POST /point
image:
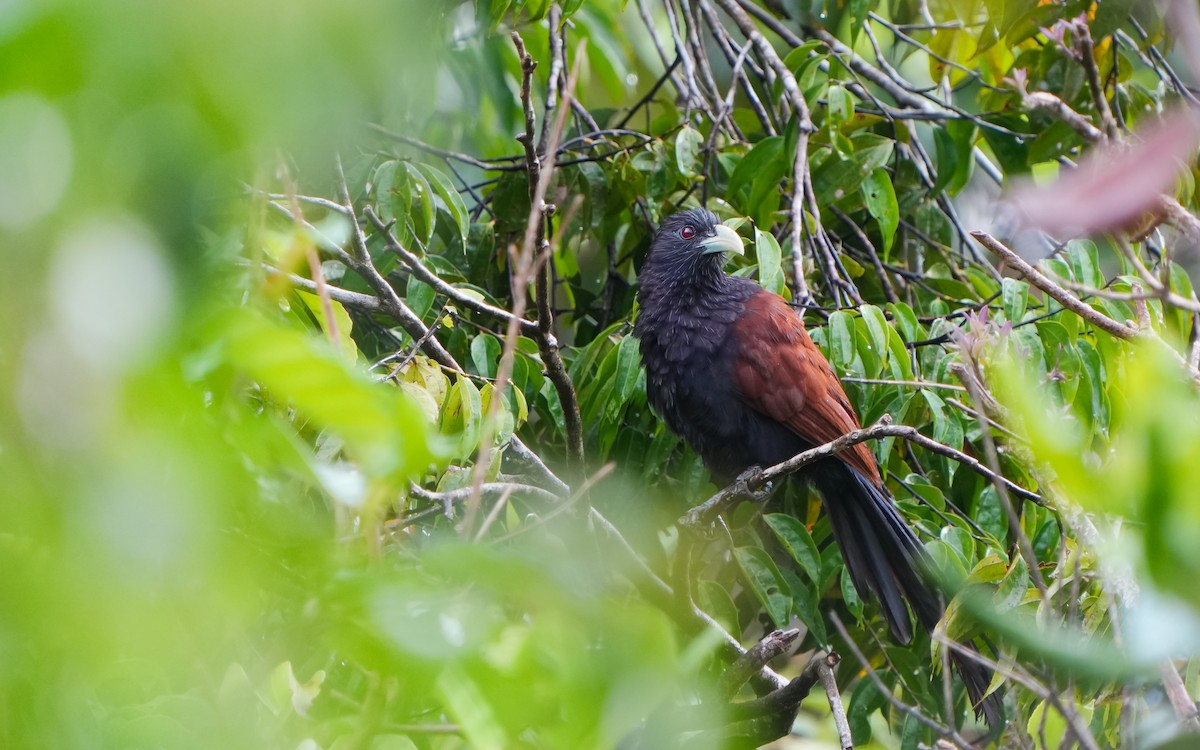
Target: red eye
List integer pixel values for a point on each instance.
(687, 233)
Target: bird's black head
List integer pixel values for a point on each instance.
(690, 245)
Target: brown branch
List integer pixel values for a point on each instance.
(1087, 55)
(825, 671)
(537, 249)
(520, 452)
(526, 265)
(1057, 108)
(740, 490)
(747, 723)
(773, 644)
(1058, 293)
(1178, 216)
(1177, 694)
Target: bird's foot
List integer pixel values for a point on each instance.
(741, 489)
(743, 486)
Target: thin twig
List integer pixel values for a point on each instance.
(828, 677)
(1024, 545)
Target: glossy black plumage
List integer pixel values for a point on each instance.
(731, 369)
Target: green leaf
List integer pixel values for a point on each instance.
(1110, 15)
(628, 367)
(1012, 588)
(806, 603)
(1015, 296)
(507, 420)
(688, 143)
(394, 200)
(946, 151)
(877, 329)
(880, 199)
(840, 107)
(1084, 260)
(770, 261)
(842, 341)
(422, 197)
(462, 414)
(451, 199)
(419, 296)
(839, 176)
(798, 542)
(715, 600)
(764, 158)
(341, 319)
(850, 596)
(766, 582)
(485, 354)
(469, 706)
(946, 428)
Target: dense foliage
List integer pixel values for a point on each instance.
(346, 445)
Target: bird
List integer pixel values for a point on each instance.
(731, 369)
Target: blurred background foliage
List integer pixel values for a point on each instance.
(258, 273)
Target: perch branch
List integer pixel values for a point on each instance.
(737, 492)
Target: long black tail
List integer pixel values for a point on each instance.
(886, 559)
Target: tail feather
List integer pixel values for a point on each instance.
(885, 558)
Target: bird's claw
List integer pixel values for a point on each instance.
(742, 488)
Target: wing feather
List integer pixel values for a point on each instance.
(779, 372)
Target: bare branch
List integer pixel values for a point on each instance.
(1057, 108)
(825, 670)
(1087, 55)
(1059, 294)
(773, 644)
(737, 492)
(356, 300)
